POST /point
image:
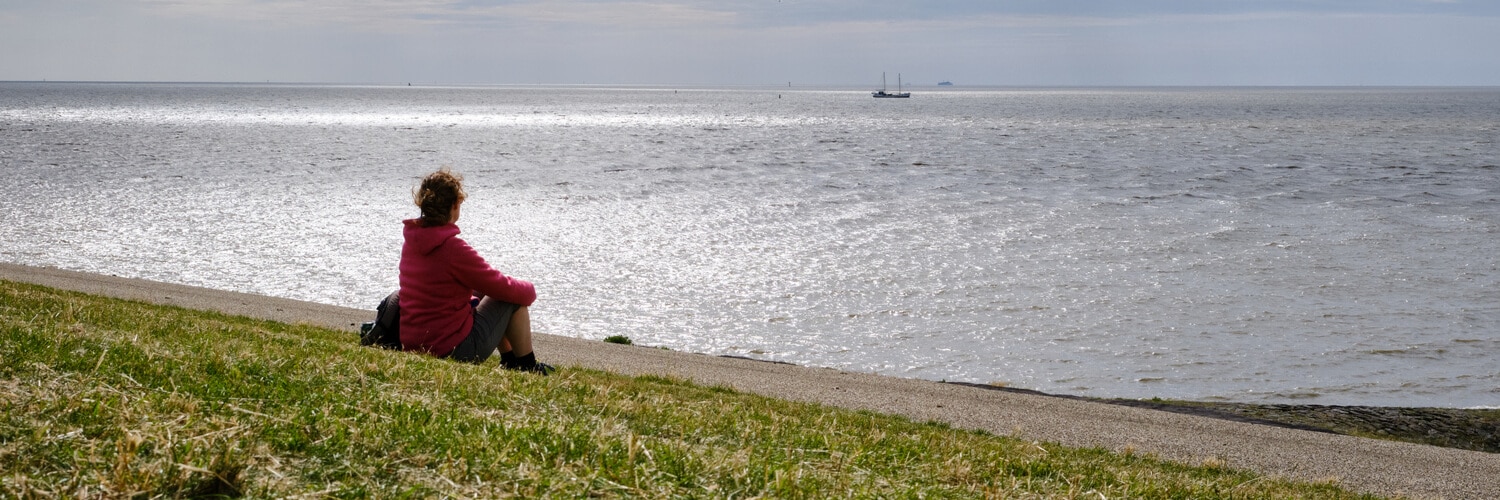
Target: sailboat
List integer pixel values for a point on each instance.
(883, 93)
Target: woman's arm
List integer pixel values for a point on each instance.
(472, 271)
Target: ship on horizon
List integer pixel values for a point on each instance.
(883, 94)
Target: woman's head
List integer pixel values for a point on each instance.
(439, 194)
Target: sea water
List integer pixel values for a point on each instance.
(1310, 245)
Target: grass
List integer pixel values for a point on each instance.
(103, 397)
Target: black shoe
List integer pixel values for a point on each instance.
(527, 363)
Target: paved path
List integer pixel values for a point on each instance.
(1374, 466)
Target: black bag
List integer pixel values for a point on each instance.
(385, 331)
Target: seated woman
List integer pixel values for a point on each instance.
(451, 303)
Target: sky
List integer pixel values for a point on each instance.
(757, 42)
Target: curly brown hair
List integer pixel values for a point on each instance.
(436, 196)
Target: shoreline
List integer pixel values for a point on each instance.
(1367, 465)
(1472, 429)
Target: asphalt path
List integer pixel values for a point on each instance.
(1366, 465)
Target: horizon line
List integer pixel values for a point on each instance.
(688, 85)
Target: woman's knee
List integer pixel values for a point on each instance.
(520, 321)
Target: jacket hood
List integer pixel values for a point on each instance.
(426, 239)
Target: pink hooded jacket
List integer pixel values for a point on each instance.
(439, 275)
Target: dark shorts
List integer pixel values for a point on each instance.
(491, 318)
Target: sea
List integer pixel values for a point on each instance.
(1332, 246)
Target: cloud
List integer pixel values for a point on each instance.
(1080, 42)
(619, 14)
(351, 12)
(428, 16)
(400, 16)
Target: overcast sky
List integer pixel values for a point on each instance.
(811, 42)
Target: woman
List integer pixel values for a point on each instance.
(451, 303)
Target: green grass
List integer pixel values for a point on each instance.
(104, 397)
